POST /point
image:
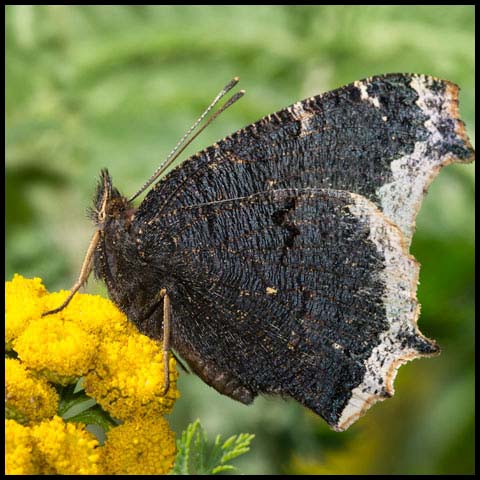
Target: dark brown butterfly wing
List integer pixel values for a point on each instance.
(284, 247)
(306, 293)
(385, 138)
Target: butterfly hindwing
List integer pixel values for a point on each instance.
(293, 292)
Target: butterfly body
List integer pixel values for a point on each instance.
(284, 247)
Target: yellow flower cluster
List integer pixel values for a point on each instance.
(122, 369)
(23, 303)
(64, 353)
(125, 395)
(27, 397)
(67, 447)
(50, 447)
(140, 446)
(20, 458)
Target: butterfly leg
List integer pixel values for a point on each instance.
(84, 274)
(167, 313)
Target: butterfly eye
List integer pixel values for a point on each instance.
(101, 216)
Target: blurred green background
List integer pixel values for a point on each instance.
(116, 86)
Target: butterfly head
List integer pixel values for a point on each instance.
(108, 202)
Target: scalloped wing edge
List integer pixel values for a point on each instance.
(403, 341)
(413, 173)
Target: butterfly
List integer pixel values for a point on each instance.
(276, 261)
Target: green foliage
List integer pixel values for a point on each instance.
(196, 457)
(76, 406)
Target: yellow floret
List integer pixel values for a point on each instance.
(67, 447)
(129, 378)
(140, 446)
(94, 314)
(21, 457)
(23, 303)
(27, 398)
(60, 350)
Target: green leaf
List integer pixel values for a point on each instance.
(77, 402)
(79, 385)
(76, 406)
(195, 457)
(183, 445)
(222, 468)
(94, 416)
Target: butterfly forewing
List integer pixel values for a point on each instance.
(384, 138)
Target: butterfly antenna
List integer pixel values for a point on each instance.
(228, 104)
(173, 155)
